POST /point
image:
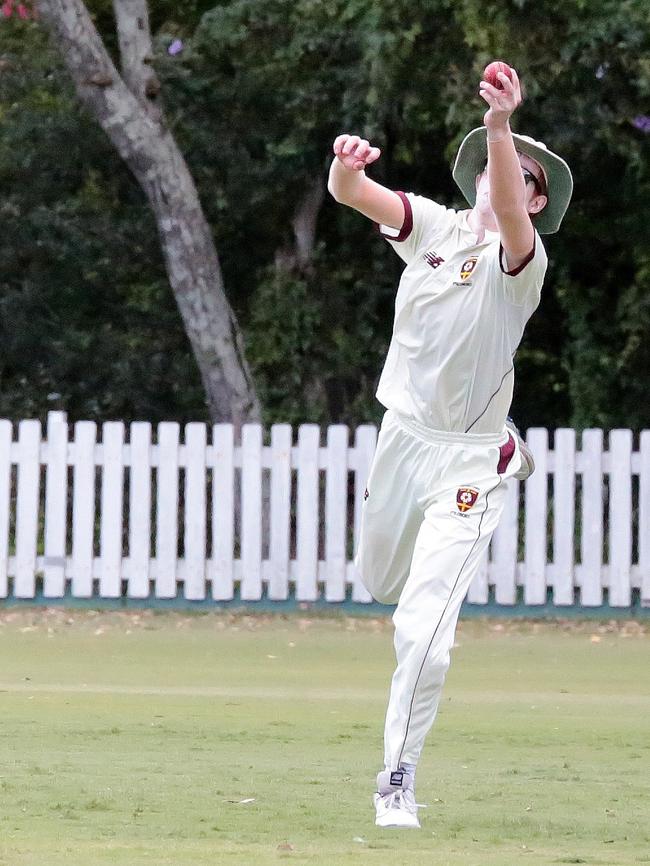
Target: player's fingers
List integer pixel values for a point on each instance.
(350, 145)
(515, 80)
(492, 96)
(511, 94)
(516, 86)
(498, 100)
(506, 82)
(339, 141)
(373, 154)
(488, 97)
(363, 149)
(489, 88)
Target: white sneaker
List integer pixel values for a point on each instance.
(395, 800)
(527, 461)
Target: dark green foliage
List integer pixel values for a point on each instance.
(87, 320)
(255, 99)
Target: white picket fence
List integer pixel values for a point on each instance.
(146, 519)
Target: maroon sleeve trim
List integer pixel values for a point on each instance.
(407, 225)
(520, 267)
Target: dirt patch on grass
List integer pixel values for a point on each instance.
(61, 619)
(615, 627)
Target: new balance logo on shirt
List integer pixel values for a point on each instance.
(433, 259)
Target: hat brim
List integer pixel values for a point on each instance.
(471, 159)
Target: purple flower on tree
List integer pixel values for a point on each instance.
(176, 47)
(642, 122)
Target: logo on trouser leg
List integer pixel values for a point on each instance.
(366, 494)
(466, 497)
(397, 778)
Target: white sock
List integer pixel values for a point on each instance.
(410, 769)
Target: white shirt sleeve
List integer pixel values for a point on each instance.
(523, 284)
(424, 222)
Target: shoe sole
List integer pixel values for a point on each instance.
(396, 818)
(528, 464)
(397, 822)
(527, 460)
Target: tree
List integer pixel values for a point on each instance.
(82, 274)
(278, 79)
(254, 100)
(128, 108)
(290, 74)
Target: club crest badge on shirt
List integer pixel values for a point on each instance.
(467, 267)
(466, 497)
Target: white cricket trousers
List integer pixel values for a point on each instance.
(432, 504)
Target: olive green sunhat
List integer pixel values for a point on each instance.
(471, 159)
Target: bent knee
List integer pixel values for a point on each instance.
(378, 580)
(379, 588)
(384, 596)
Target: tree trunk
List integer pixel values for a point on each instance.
(298, 256)
(132, 119)
(136, 53)
(304, 223)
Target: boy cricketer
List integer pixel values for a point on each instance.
(445, 450)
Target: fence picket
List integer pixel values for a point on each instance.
(195, 511)
(644, 517)
(251, 512)
(167, 489)
(223, 511)
(503, 569)
(139, 509)
(591, 520)
(5, 500)
(324, 536)
(536, 520)
(620, 517)
(564, 495)
(308, 513)
(281, 436)
(364, 448)
(56, 506)
(27, 507)
(336, 512)
(83, 508)
(365, 443)
(112, 486)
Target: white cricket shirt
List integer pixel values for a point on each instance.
(459, 318)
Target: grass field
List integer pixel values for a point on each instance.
(220, 739)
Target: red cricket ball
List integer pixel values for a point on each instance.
(491, 71)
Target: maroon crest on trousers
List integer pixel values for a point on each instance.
(466, 497)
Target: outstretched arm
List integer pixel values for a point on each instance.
(508, 196)
(349, 185)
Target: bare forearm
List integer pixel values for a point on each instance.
(507, 188)
(349, 185)
(346, 184)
